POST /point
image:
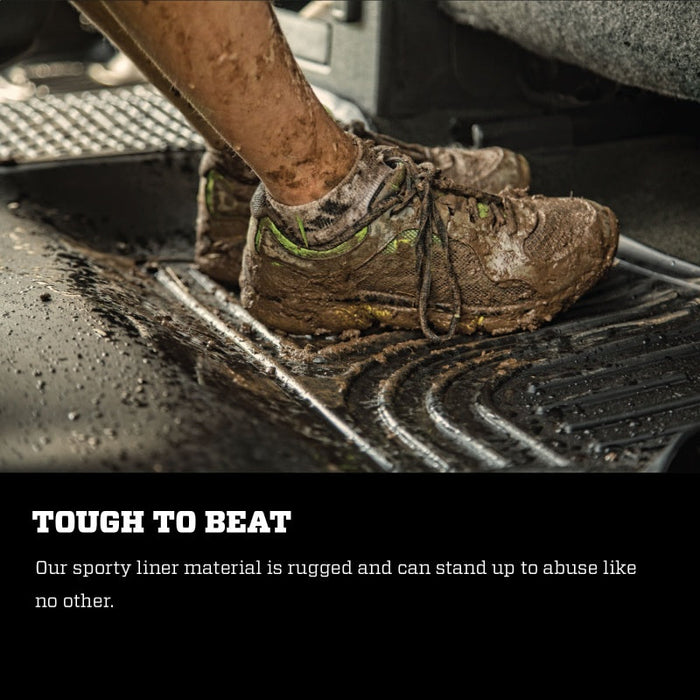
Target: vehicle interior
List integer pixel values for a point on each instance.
(119, 355)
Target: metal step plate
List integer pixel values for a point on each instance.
(128, 120)
(92, 123)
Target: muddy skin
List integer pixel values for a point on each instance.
(306, 140)
(319, 154)
(231, 63)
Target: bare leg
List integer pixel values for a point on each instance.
(231, 63)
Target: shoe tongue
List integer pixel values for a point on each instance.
(331, 219)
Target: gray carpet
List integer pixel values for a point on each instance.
(647, 44)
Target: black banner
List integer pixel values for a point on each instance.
(106, 547)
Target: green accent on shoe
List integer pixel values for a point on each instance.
(483, 210)
(392, 247)
(407, 237)
(209, 192)
(308, 253)
(300, 223)
(214, 177)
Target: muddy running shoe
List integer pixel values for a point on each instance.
(226, 186)
(419, 251)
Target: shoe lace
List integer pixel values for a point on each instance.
(422, 180)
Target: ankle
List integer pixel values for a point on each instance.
(316, 175)
(326, 219)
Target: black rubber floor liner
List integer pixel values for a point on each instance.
(614, 385)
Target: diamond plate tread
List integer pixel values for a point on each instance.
(91, 124)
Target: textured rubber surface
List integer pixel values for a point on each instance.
(606, 388)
